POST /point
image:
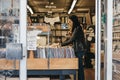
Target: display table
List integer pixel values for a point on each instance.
(60, 72)
(38, 66)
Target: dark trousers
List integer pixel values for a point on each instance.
(79, 55)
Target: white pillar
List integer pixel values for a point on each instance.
(98, 40)
(108, 39)
(23, 21)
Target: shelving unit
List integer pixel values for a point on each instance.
(59, 32)
(116, 25)
(59, 35)
(116, 39)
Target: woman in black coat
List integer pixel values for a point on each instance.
(78, 41)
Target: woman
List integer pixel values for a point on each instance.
(78, 41)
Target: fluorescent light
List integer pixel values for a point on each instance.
(50, 6)
(28, 7)
(72, 6)
(83, 9)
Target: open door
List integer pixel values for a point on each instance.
(104, 20)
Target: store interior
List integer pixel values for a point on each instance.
(32, 44)
(47, 26)
(55, 13)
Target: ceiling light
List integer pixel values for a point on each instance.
(29, 8)
(52, 3)
(72, 6)
(83, 9)
(50, 6)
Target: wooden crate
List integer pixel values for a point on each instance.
(38, 78)
(12, 79)
(63, 63)
(36, 63)
(29, 79)
(8, 64)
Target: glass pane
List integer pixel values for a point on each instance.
(9, 33)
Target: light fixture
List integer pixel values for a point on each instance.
(52, 3)
(72, 6)
(29, 8)
(50, 6)
(83, 9)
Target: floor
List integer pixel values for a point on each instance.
(89, 74)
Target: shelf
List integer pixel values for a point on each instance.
(116, 25)
(60, 30)
(116, 39)
(9, 17)
(44, 33)
(117, 14)
(116, 31)
(58, 36)
(102, 30)
(116, 56)
(118, 18)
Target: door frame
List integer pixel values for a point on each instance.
(107, 40)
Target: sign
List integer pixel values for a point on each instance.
(32, 40)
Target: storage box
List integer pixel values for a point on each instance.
(63, 63)
(12, 79)
(37, 63)
(38, 78)
(8, 64)
(29, 79)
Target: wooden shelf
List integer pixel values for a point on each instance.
(117, 14)
(116, 31)
(116, 39)
(58, 36)
(116, 25)
(60, 30)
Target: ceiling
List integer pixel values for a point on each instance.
(61, 6)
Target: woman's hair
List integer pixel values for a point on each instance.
(75, 21)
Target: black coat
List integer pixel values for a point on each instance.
(77, 39)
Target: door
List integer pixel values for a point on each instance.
(12, 40)
(104, 20)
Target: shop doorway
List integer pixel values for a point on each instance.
(47, 10)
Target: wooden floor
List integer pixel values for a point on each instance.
(89, 74)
